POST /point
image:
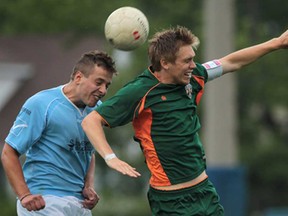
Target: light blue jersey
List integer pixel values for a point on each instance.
(58, 153)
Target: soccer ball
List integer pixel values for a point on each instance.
(126, 28)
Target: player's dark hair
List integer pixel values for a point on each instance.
(88, 60)
(166, 44)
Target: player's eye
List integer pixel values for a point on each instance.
(98, 83)
(190, 60)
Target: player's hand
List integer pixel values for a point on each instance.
(123, 167)
(33, 202)
(91, 198)
(284, 40)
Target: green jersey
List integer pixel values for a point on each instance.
(165, 122)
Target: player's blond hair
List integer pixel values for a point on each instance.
(166, 44)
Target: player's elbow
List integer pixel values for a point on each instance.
(229, 66)
(8, 154)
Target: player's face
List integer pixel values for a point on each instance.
(181, 70)
(95, 86)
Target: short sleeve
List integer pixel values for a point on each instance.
(28, 126)
(119, 109)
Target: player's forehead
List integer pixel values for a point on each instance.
(100, 73)
(185, 52)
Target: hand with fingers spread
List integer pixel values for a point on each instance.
(91, 198)
(33, 202)
(122, 167)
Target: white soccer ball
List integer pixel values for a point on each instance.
(126, 28)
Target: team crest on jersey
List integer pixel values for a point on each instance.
(188, 89)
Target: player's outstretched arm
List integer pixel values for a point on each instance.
(92, 125)
(237, 60)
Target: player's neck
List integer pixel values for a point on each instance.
(70, 93)
(163, 77)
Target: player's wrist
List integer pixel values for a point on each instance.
(24, 196)
(109, 157)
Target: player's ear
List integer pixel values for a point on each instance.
(164, 63)
(78, 76)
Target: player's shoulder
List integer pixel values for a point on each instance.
(142, 83)
(199, 70)
(45, 97)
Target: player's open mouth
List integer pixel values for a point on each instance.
(189, 74)
(97, 97)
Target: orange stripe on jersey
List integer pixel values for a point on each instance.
(201, 82)
(140, 106)
(142, 126)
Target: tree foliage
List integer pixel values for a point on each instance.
(263, 105)
(87, 16)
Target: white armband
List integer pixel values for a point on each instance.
(214, 69)
(109, 157)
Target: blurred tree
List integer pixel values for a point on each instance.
(263, 105)
(82, 18)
